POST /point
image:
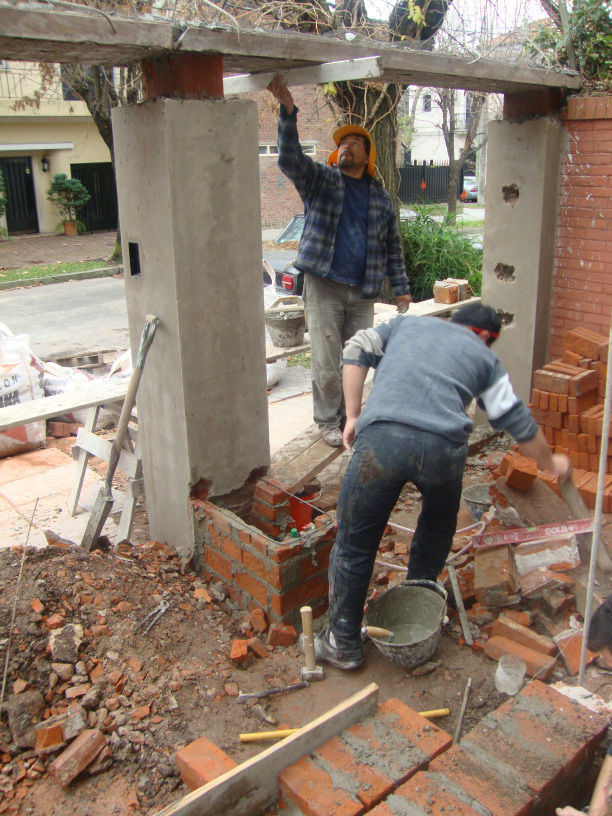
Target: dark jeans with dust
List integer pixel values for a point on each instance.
(386, 455)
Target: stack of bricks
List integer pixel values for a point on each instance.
(262, 565)
(567, 402)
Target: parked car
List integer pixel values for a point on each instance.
(470, 188)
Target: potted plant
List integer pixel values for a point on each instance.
(69, 195)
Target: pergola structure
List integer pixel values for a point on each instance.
(188, 187)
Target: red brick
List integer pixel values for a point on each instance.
(550, 419)
(365, 763)
(54, 621)
(537, 663)
(256, 564)
(257, 647)
(201, 761)
(553, 402)
(493, 575)
(77, 756)
(49, 738)
(281, 635)
(37, 606)
(576, 405)
(554, 382)
(232, 550)
(253, 587)
(480, 781)
(549, 554)
(219, 563)
(522, 472)
(266, 511)
(258, 620)
(583, 383)
(271, 492)
(283, 552)
(570, 646)
(311, 590)
(508, 628)
(520, 616)
(239, 651)
(272, 530)
(425, 793)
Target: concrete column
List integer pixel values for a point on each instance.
(188, 189)
(523, 161)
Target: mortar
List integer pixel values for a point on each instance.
(414, 611)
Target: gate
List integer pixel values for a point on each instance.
(100, 212)
(20, 202)
(425, 183)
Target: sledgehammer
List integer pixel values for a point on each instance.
(310, 671)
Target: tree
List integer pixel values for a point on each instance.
(473, 110)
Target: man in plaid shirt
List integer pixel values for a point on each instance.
(349, 243)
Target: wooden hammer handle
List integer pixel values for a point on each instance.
(309, 650)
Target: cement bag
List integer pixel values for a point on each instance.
(59, 379)
(20, 381)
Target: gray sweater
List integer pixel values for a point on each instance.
(427, 373)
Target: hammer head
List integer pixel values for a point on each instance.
(313, 674)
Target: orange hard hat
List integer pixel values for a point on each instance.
(347, 130)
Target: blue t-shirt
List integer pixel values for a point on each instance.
(349, 261)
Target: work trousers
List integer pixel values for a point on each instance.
(334, 312)
(386, 455)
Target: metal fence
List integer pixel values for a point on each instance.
(425, 183)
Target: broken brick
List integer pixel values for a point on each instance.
(538, 665)
(201, 761)
(37, 606)
(570, 647)
(77, 756)
(239, 651)
(281, 635)
(521, 472)
(257, 618)
(508, 628)
(257, 647)
(551, 554)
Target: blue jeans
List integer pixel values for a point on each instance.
(386, 455)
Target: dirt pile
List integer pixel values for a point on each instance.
(81, 669)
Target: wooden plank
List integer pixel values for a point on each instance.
(306, 465)
(431, 308)
(47, 407)
(128, 463)
(276, 353)
(362, 68)
(252, 786)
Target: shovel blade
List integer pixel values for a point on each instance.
(97, 519)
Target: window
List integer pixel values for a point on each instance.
(272, 149)
(427, 102)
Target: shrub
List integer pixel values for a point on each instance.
(435, 249)
(68, 194)
(2, 195)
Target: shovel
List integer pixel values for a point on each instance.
(104, 499)
(574, 501)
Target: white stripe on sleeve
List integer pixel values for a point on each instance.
(499, 398)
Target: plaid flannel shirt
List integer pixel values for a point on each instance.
(321, 189)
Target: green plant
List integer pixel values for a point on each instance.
(434, 249)
(68, 194)
(590, 31)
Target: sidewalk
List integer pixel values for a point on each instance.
(30, 250)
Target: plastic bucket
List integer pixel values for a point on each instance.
(478, 499)
(301, 513)
(414, 611)
(286, 322)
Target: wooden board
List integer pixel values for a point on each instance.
(301, 459)
(433, 309)
(252, 786)
(47, 407)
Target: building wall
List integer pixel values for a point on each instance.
(316, 123)
(582, 286)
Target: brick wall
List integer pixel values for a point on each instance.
(279, 200)
(258, 561)
(582, 293)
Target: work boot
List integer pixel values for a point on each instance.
(326, 651)
(333, 437)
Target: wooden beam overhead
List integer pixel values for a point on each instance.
(39, 34)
